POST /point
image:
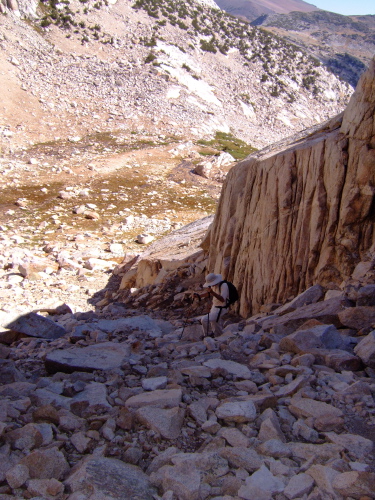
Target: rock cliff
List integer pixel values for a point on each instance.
(300, 212)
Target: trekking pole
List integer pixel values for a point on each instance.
(183, 329)
(185, 323)
(208, 324)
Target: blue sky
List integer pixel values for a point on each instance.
(346, 7)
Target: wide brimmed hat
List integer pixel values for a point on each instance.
(212, 279)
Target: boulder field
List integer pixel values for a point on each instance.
(129, 402)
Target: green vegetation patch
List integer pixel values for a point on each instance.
(228, 143)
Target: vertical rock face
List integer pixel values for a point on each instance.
(301, 212)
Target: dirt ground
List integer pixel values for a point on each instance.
(120, 175)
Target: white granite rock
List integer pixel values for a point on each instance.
(298, 486)
(261, 485)
(236, 411)
(167, 422)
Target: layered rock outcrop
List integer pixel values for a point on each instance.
(300, 212)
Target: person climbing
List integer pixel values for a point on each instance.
(218, 289)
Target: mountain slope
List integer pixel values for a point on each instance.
(251, 9)
(344, 44)
(163, 68)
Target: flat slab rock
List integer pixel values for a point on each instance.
(306, 407)
(34, 325)
(111, 479)
(326, 312)
(155, 328)
(309, 296)
(163, 398)
(236, 369)
(103, 356)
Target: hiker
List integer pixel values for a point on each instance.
(219, 291)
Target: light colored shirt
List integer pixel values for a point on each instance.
(224, 292)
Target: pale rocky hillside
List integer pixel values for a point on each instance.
(345, 44)
(180, 69)
(253, 9)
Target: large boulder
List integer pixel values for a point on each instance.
(365, 349)
(324, 416)
(355, 484)
(46, 464)
(326, 312)
(34, 325)
(165, 255)
(358, 317)
(109, 478)
(302, 341)
(103, 356)
(309, 296)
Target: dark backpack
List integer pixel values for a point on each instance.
(233, 293)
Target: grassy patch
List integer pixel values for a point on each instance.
(228, 143)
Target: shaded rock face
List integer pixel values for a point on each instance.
(301, 212)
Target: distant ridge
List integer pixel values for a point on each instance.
(251, 9)
(345, 44)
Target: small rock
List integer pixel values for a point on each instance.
(274, 448)
(17, 476)
(355, 484)
(365, 349)
(144, 239)
(241, 457)
(167, 422)
(25, 438)
(152, 384)
(237, 411)
(80, 442)
(46, 464)
(168, 398)
(298, 486)
(90, 214)
(359, 446)
(261, 485)
(45, 488)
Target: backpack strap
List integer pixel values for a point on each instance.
(227, 300)
(222, 307)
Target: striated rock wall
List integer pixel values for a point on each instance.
(300, 212)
